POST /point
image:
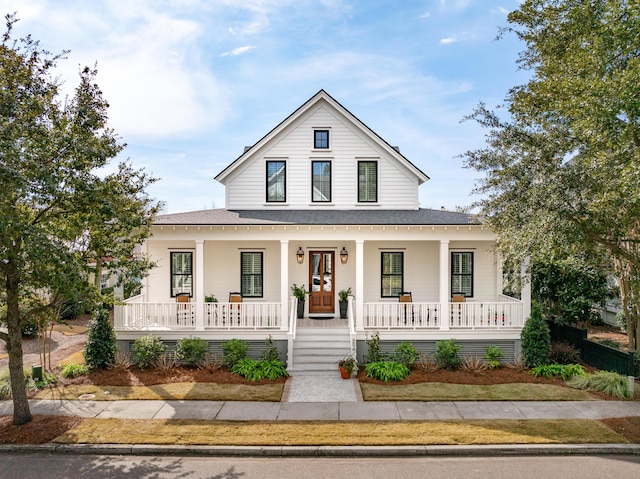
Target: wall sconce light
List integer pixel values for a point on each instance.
(300, 255)
(344, 255)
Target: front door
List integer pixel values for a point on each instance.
(321, 281)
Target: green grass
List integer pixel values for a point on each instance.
(468, 392)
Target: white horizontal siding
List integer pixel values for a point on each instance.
(397, 187)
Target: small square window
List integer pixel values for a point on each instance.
(321, 139)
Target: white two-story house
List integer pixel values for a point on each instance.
(323, 202)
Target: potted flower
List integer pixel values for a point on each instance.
(210, 298)
(343, 297)
(300, 293)
(347, 365)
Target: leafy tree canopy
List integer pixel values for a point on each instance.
(561, 173)
(59, 210)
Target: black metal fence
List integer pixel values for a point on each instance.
(596, 355)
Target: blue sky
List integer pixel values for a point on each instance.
(190, 83)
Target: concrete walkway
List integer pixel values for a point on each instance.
(333, 411)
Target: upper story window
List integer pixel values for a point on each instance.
(367, 181)
(276, 181)
(462, 273)
(321, 139)
(321, 181)
(392, 274)
(181, 273)
(251, 280)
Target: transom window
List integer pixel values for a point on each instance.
(392, 274)
(251, 279)
(321, 139)
(462, 273)
(321, 181)
(181, 273)
(367, 181)
(276, 182)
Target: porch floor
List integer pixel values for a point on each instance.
(335, 323)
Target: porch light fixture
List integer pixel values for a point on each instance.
(300, 255)
(344, 255)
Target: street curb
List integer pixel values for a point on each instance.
(328, 451)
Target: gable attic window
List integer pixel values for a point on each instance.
(181, 273)
(367, 181)
(276, 181)
(321, 139)
(321, 181)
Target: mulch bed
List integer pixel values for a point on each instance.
(41, 429)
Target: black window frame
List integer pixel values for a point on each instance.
(313, 163)
(284, 180)
(360, 192)
(321, 139)
(461, 274)
(243, 291)
(384, 275)
(172, 274)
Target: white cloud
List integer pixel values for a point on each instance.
(238, 51)
(425, 15)
(448, 40)
(456, 38)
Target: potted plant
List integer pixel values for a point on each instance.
(210, 298)
(343, 297)
(299, 292)
(347, 365)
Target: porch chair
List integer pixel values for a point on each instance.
(405, 297)
(456, 310)
(234, 308)
(183, 315)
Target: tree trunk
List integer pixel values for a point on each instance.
(21, 412)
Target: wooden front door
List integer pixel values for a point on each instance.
(321, 281)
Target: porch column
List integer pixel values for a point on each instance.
(199, 285)
(499, 275)
(525, 294)
(359, 285)
(284, 284)
(445, 297)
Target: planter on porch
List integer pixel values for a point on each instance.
(343, 302)
(300, 293)
(300, 308)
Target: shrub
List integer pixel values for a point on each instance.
(166, 361)
(564, 353)
(74, 370)
(258, 370)
(147, 350)
(271, 352)
(387, 371)
(492, 356)
(518, 364)
(5, 384)
(536, 340)
(474, 364)
(191, 351)
(374, 354)
(565, 371)
(426, 362)
(622, 321)
(100, 350)
(406, 354)
(610, 383)
(233, 351)
(448, 354)
(211, 362)
(123, 360)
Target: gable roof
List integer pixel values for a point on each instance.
(314, 100)
(420, 217)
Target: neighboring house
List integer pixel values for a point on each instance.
(322, 201)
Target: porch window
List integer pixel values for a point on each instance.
(392, 274)
(367, 181)
(321, 181)
(276, 182)
(181, 273)
(251, 274)
(462, 273)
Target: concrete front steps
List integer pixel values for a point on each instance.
(316, 351)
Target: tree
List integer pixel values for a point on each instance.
(561, 172)
(56, 210)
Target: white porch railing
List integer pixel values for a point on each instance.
(381, 316)
(242, 315)
(486, 315)
(136, 316)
